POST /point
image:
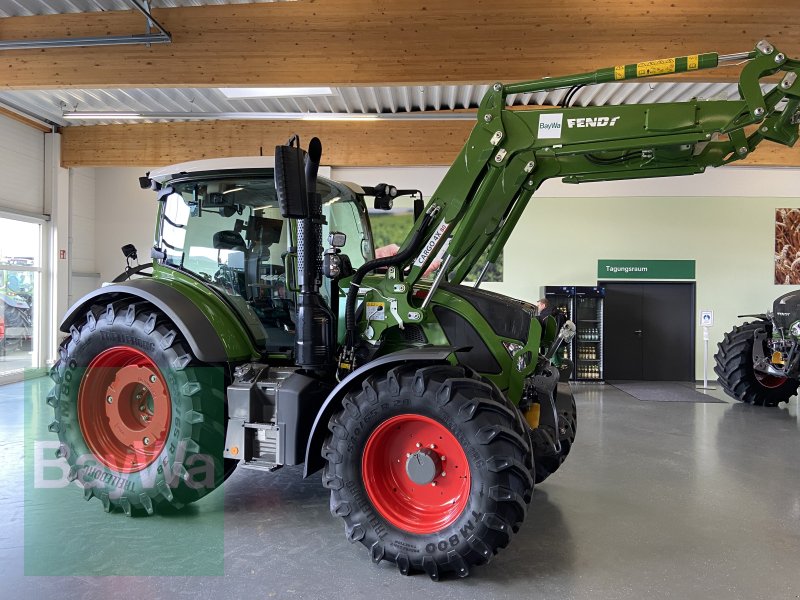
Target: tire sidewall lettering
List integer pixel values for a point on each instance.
(92, 472)
(439, 544)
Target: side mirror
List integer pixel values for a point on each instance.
(290, 180)
(129, 251)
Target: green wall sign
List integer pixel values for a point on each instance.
(645, 269)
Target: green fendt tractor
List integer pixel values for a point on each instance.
(431, 407)
(758, 362)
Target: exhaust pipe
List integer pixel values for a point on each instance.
(315, 342)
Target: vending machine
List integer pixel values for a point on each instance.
(588, 341)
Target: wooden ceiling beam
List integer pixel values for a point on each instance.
(346, 143)
(38, 125)
(369, 42)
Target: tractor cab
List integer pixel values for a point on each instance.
(223, 226)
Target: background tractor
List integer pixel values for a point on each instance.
(431, 407)
(758, 362)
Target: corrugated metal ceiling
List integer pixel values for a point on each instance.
(26, 8)
(51, 104)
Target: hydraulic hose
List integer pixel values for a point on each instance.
(352, 293)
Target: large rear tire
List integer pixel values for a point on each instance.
(429, 469)
(734, 367)
(139, 418)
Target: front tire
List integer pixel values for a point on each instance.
(139, 418)
(567, 414)
(734, 367)
(429, 469)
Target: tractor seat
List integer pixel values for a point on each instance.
(229, 240)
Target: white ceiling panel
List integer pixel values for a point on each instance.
(211, 103)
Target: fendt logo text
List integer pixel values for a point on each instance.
(593, 122)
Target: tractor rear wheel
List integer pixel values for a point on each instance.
(734, 366)
(429, 469)
(139, 418)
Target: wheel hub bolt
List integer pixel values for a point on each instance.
(146, 441)
(110, 399)
(419, 445)
(141, 407)
(152, 378)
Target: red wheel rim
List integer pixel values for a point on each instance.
(124, 409)
(769, 381)
(413, 506)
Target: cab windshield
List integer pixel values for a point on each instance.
(228, 232)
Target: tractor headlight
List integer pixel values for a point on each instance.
(522, 360)
(795, 329)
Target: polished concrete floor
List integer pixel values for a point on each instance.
(658, 500)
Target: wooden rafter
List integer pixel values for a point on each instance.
(358, 144)
(369, 42)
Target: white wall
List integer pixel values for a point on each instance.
(124, 214)
(723, 219)
(83, 270)
(21, 168)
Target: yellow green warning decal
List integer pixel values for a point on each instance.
(661, 66)
(375, 311)
(655, 67)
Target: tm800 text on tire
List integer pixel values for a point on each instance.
(139, 419)
(429, 468)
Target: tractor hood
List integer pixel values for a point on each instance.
(786, 309)
(508, 317)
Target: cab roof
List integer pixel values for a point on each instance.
(163, 174)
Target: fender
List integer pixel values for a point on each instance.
(333, 402)
(190, 319)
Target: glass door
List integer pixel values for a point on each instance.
(20, 296)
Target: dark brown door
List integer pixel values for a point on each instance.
(649, 331)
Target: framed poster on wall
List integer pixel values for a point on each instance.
(787, 246)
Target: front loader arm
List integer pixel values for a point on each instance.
(509, 153)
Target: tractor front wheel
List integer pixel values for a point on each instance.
(567, 415)
(429, 469)
(734, 366)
